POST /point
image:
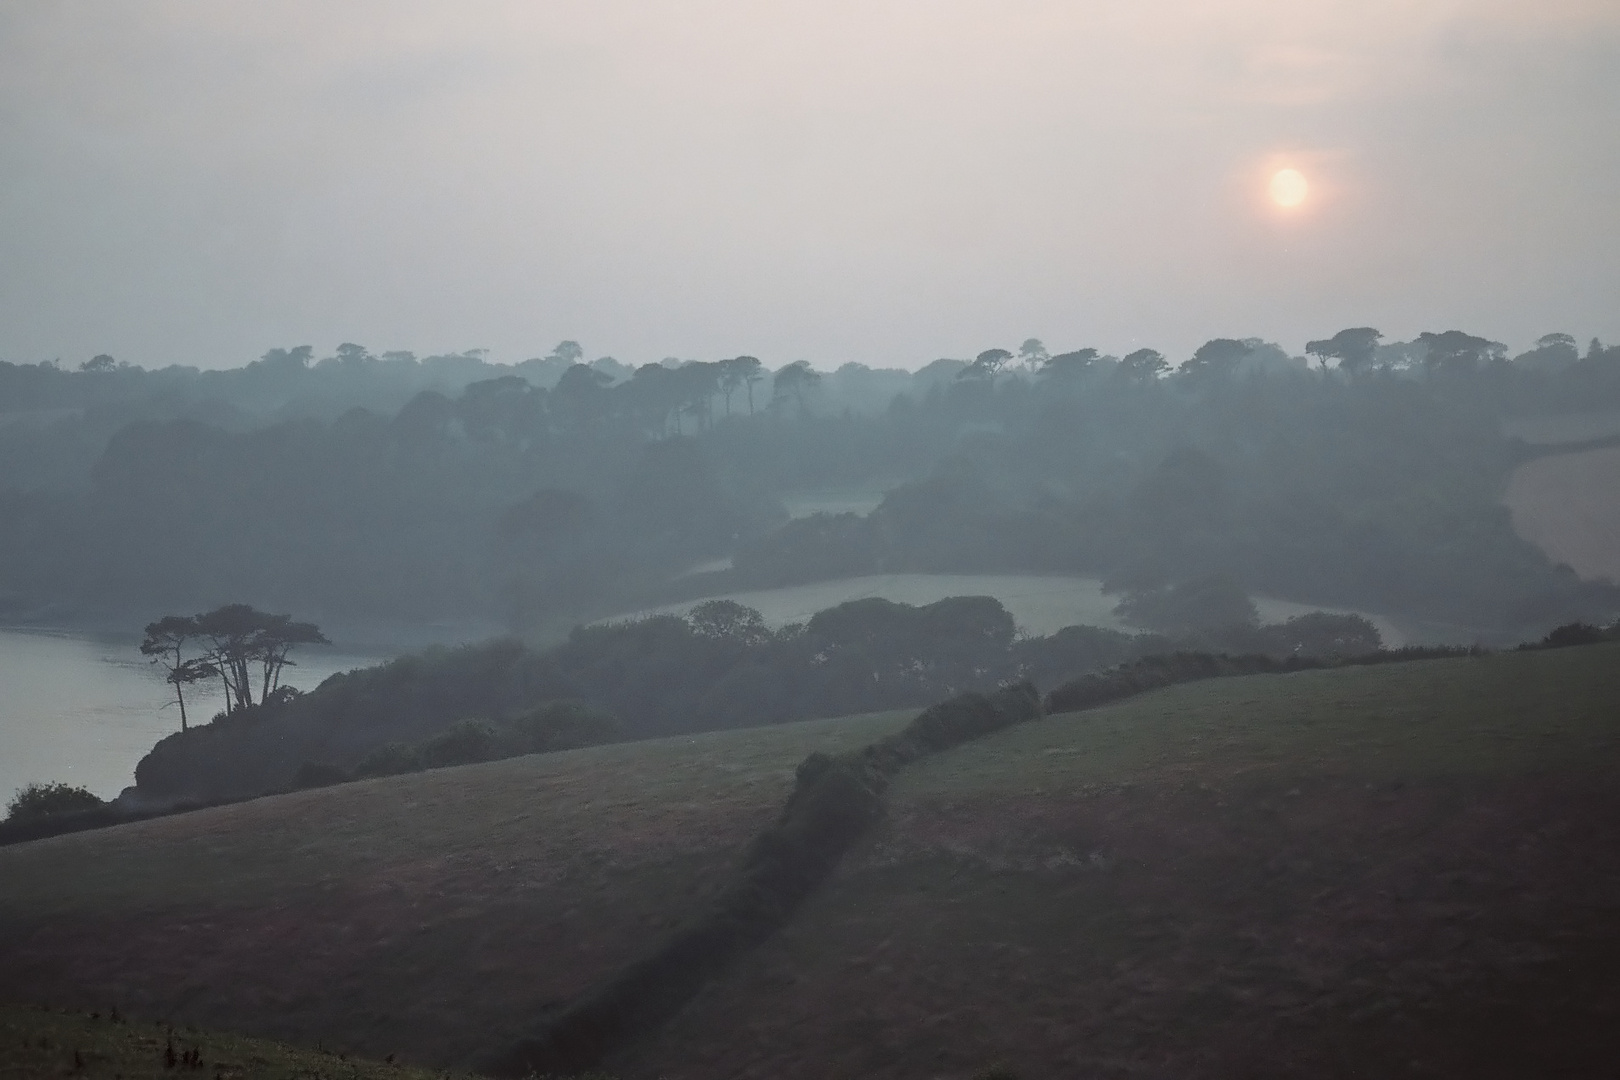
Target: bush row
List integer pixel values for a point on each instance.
(834, 800)
(556, 725)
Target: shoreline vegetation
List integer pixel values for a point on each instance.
(559, 724)
(717, 666)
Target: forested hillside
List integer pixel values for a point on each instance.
(552, 491)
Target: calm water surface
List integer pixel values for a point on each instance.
(83, 710)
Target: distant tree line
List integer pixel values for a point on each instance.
(720, 666)
(554, 491)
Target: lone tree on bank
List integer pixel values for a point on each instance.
(165, 643)
(231, 642)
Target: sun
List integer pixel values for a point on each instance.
(1288, 187)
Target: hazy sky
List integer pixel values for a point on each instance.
(886, 181)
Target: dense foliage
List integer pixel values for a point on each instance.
(45, 800)
(718, 667)
(550, 491)
(834, 800)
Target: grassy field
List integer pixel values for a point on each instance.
(1410, 870)
(37, 1043)
(430, 916)
(1569, 506)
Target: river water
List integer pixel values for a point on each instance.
(83, 710)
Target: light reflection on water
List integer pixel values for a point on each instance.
(83, 710)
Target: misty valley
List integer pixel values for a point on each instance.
(1059, 541)
(1033, 714)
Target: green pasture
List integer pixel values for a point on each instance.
(563, 807)
(1471, 715)
(1405, 869)
(1386, 841)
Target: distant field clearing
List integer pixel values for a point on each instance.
(1550, 430)
(1038, 604)
(1569, 506)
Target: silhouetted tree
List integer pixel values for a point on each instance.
(1553, 352)
(238, 637)
(1322, 633)
(699, 382)
(43, 800)
(278, 636)
(1204, 605)
(1354, 348)
(752, 372)
(1033, 353)
(350, 355)
(1217, 358)
(728, 620)
(795, 381)
(581, 394)
(567, 352)
(1069, 365)
(286, 360)
(165, 643)
(1143, 366)
(987, 365)
(1456, 353)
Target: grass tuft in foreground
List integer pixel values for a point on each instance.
(37, 1042)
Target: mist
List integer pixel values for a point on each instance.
(880, 183)
(937, 541)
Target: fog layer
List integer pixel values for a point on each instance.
(884, 182)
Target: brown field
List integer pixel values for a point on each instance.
(1569, 506)
(1408, 871)
(37, 1042)
(434, 915)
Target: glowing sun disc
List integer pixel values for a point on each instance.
(1288, 187)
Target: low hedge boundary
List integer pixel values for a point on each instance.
(835, 799)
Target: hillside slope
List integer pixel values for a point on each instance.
(1401, 870)
(433, 915)
(1409, 868)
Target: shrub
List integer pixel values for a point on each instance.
(1322, 633)
(463, 743)
(44, 800)
(1575, 633)
(390, 759)
(559, 725)
(1115, 684)
(1205, 605)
